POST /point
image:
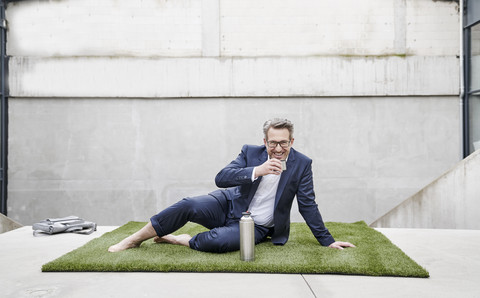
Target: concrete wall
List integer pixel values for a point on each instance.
(120, 108)
(450, 202)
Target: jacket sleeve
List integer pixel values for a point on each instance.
(309, 209)
(236, 173)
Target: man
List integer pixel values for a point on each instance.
(254, 181)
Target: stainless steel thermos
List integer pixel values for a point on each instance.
(247, 237)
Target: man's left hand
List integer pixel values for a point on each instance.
(340, 245)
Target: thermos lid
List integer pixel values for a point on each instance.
(246, 213)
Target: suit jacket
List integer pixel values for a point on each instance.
(297, 181)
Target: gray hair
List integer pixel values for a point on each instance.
(279, 124)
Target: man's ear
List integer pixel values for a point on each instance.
(265, 142)
(291, 141)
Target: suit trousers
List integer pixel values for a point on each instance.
(210, 212)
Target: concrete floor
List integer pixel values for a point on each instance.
(451, 256)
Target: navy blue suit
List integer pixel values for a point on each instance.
(221, 210)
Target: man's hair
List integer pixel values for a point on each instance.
(279, 124)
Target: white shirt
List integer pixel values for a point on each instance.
(263, 202)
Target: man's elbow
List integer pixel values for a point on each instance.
(219, 181)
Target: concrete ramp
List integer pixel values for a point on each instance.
(8, 224)
(450, 202)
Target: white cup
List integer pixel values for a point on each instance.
(284, 165)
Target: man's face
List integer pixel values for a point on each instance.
(278, 143)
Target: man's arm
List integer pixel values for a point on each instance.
(309, 210)
(236, 173)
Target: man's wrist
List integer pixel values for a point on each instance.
(253, 174)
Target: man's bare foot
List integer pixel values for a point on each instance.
(135, 239)
(123, 245)
(182, 239)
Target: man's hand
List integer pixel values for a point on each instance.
(271, 166)
(340, 245)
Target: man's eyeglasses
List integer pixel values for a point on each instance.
(283, 144)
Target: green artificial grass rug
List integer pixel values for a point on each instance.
(374, 255)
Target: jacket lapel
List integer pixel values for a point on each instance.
(285, 176)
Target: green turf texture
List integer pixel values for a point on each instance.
(374, 255)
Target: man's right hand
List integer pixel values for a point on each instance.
(271, 166)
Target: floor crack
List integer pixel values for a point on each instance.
(309, 286)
